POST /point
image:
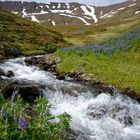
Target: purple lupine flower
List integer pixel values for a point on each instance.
(22, 123)
(122, 43)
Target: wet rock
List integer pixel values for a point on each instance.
(49, 64)
(2, 73)
(10, 73)
(60, 77)
(27, 91)
(31, 61)
(15, 52)
(1, 58)
(11, 52)
(44, 63)
(96, 112)
(131, 93)
(73, 90)
(126, 120)
(75, 75)
(138, 99)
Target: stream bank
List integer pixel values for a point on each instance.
(48, 63)
(94, 115)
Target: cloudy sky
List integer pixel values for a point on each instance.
(91, 2)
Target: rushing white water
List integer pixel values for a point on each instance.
(94, 117)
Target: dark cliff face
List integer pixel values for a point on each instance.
(12, 6)
(55, 13)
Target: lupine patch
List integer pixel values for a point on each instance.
(122, 43)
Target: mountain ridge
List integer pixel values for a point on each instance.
(55, 13)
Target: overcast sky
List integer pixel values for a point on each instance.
(90, 2)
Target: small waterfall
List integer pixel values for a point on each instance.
(14, 95)
(94, 116)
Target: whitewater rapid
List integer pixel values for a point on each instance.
(94, 116)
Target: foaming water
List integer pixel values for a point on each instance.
(24, 72)
(94, 117)
(103, 117)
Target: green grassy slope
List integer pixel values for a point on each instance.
(22, 35)
(82, 35)
(115, 62)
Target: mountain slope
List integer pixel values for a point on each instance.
(55, 13)
(115, 61)
(21, 36)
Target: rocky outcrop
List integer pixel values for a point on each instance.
(27, 91)
(8, 74)
(49, 64)
(131, 93)
(2, 73)
(45, 63)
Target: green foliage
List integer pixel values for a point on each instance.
(84, 35)
(37, 122)
(120, 68)
(25, 36)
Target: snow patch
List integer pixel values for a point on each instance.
(74, 10)
(43, 12)
(101, 13)
(68, 6)
(121, 8)
(137, 12)
(87, 17)
(107, 15)
(59, 6)
(132, 5)
(53, 23)
(33, 18)
(15, 12)
(24, 13)
(40, 6)
(47, 6)
(111, 13)
(89, 13)
(61, 11)
(82, 19)
(53, 7)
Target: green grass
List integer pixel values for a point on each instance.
(117, 66)
(26, 36)
(122, 70)
(82, 35)
(17, 122)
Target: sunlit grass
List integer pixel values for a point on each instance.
(82, 35)
(122, 70)
(115, 62)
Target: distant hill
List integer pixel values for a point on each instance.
(55, 13)
(22, 36)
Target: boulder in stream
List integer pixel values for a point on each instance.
(10, 73)
(2, 73)
(27, 91)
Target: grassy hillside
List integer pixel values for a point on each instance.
(21, 36)
(116, 61)
(82, 35)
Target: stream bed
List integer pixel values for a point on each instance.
(94, 116)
